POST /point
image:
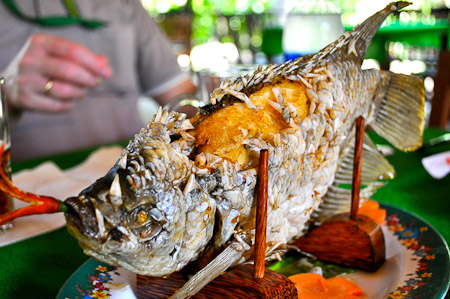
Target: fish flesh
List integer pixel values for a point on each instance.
(183, 188)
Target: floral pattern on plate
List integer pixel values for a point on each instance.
(96, 284)
(429, 254)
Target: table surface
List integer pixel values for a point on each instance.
(38, 267)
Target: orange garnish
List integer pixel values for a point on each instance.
(371, 208)
(315, 286)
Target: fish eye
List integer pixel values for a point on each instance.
(142, 216)
(142, 223)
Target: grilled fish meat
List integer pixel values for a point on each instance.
(186, 186)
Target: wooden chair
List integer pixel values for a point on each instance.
(440, 104)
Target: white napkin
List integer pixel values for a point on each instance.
(438, 166)
(48, 179)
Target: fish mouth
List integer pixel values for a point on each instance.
(81, 214)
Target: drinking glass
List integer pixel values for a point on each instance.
(6, 202)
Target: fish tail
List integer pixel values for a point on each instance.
(400, 118)
(353, 44)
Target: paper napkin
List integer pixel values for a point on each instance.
(438, 166)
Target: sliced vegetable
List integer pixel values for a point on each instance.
(371, 208)
(315, 286)
(340, 287)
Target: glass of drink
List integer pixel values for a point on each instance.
(6, 203)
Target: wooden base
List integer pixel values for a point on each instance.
(237, 283)
(340, 240)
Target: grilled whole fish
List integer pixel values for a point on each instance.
(185, 186)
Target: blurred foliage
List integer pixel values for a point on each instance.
(222, 19)
(249, 23)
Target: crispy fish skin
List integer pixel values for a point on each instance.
(154, 228)
(184, 186)
(303, 155)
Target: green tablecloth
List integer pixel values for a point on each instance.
(38, 267)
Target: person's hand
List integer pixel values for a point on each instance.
(51, 73)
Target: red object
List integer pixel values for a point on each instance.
(38, 204)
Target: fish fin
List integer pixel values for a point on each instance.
(375, 166)
(400, 118)
(217, 266)
(338, 200)
(374, 173)
(353, 44)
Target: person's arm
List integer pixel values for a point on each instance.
(159, 72)
(50, 73)
(185, 87)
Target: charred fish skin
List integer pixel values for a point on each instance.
(184, 186)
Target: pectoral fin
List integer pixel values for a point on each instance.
(375, 171)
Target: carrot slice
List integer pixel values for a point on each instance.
(309, 285)
(315, 286)
(342, 288)
(370, 204)
(371, 208)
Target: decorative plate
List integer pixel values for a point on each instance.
(417, 266)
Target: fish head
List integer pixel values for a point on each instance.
(139, 214)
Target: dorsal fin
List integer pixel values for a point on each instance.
(353, 44)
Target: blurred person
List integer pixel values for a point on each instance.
(74, 71)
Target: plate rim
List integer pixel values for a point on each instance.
(445, 287)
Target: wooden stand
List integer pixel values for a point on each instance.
(349, 239)
(236, 283)
(343, 241)
(244, 281)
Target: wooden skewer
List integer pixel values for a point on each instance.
(261, 215)
(357, 165)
